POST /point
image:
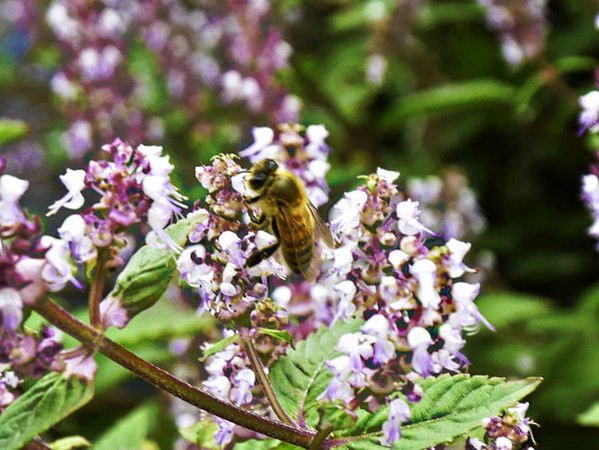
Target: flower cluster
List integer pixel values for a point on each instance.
(225, 45)
(384, 270)
(220, 49)
(223, 241)
(95, 87)
(229, 379)
(134, 185)
(22, 269)
(25, 355)
(415, 307)
(392, 26)
(22, 261)
(589, 120)
(521, 27)
(510, 430)
(447, 204)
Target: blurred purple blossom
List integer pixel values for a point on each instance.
(521, 26)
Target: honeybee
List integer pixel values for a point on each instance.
(293, 219)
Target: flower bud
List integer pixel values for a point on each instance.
(145, 278)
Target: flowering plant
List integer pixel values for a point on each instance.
(368, 354)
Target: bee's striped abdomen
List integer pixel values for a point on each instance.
(297, 240)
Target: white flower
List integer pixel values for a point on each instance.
(378, 326)
(388, 175)
(376, 67)
(590, 110)
(263, 136)
(345, 290)
(219, 386)
(503, 443)
(457, 251)
(282, 296)
(11, 191)
(425, 272)
(399, 412)
(420, 339)
(467, 315)
(244, 382)
(59, 268)
(357, 346)
(73, 230)
(345, 217)
(397, 258)
(11, 307)
(408, 214)
(74, 180)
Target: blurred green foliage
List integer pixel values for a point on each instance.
(448, 98)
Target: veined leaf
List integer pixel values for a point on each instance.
(301, 376)
(148, 273)
(131, 431)
(450, 407)
(48, 401)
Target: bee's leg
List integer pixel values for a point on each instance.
(249, 201)
(261, 255)
(258, 220)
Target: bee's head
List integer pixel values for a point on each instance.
(261, 172)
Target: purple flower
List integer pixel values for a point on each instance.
(81, 366)
(398, 412)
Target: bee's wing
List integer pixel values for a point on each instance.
(291, 222)
(322, 231)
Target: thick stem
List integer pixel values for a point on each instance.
(163, 380)
(95, 293)
(256, 362)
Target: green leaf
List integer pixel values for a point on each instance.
(301, 376)
(265, 444)
(219, 346)
(450, 97)
(361, 15)
(202, 434)
(149, 271)
(435, 14)
(111, 374)
(336, 417)
(50, 399)
(164, 321)
(590, 417)
(505, 308)
(283, 335)
(12, 130)
(450, 407)
(131, 431)
(69, 443)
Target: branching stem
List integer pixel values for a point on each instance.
(97, 288)
(256, 362)
(154, 375)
